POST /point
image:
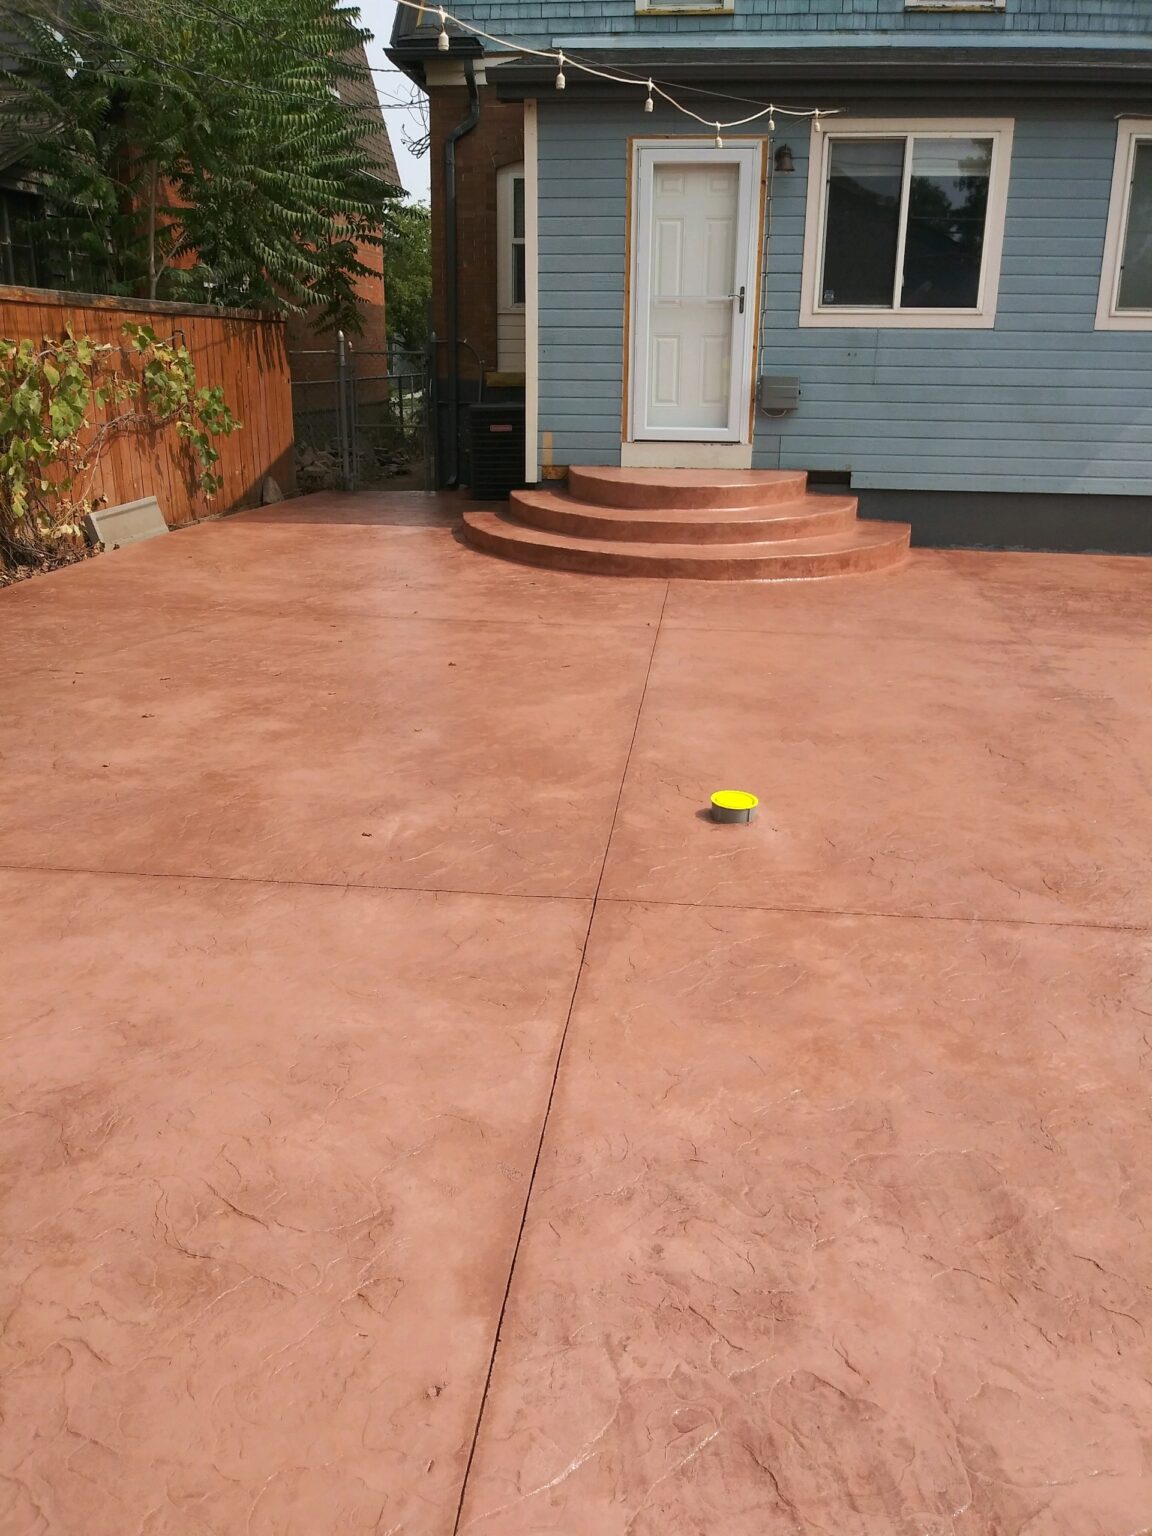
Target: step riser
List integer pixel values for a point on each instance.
(587, 486)
(751, 568)
(583, 522)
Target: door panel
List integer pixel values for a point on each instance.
(695, 248)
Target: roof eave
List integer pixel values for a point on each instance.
(411, 54)
(873, 65)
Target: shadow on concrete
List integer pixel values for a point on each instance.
(369, 509)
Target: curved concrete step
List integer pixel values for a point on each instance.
(806, 517)
(607, 486)
(864, 547)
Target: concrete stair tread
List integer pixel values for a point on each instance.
(806, 505)
(862, 546)
(607, 485)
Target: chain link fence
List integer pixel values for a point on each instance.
(363, 418)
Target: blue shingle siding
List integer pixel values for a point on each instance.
(536, 21)
(1043, 402)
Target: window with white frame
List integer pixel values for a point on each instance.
(511, 268)
(905, 223)
(683, 7)
(1126, 278)
(510, 242)
(954, 5)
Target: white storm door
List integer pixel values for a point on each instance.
(694, 291)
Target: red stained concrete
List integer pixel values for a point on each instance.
(344, 872)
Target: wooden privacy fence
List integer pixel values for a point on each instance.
(241, 351)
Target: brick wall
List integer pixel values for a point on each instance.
(496, 141)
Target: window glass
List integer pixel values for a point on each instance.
(19, 218)
(518, 208)
(1136, 270)
(862, 225)
(519, 286)
(947, 211)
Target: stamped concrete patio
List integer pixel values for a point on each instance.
(418, 1119)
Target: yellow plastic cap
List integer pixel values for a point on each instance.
(735, 800)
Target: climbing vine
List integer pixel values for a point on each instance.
(63, 402)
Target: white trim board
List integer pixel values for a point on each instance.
(845, 317)
(531, 295)
(1130, 131)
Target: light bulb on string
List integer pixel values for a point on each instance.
(444, 44)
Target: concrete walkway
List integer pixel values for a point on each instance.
(418, 1119)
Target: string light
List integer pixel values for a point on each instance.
(558, 57)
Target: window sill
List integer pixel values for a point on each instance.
(898, 320)
(1138, 320)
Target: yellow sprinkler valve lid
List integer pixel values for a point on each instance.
(733, 805)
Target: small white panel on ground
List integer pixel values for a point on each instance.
(127, 524)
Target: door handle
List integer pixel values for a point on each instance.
(739, 297)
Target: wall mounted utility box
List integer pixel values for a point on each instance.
(128, 524)
(779, 392)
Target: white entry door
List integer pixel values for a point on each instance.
(694, 290)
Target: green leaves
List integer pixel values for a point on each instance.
(203, 154)
(408, 273)
(50, 445)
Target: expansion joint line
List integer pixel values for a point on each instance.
(556, 1065)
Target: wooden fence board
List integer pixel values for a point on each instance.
(238, 349)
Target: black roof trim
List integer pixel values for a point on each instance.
(885, 64)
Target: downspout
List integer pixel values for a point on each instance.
(452, 275)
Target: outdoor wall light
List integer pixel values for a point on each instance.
(783, 160)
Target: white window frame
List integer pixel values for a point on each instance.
(953, 5)
(684, 7)
(506, 240)
(1130, 131)
(865, 317)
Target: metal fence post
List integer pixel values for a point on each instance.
(354, 476)
(343, 412)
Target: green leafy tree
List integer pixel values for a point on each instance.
(188, 151)
(408, 273)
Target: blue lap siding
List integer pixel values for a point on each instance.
(1043, 402)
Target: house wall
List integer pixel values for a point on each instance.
(496, 141)
(538, 23)
(239, 350)
(1042, 403)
